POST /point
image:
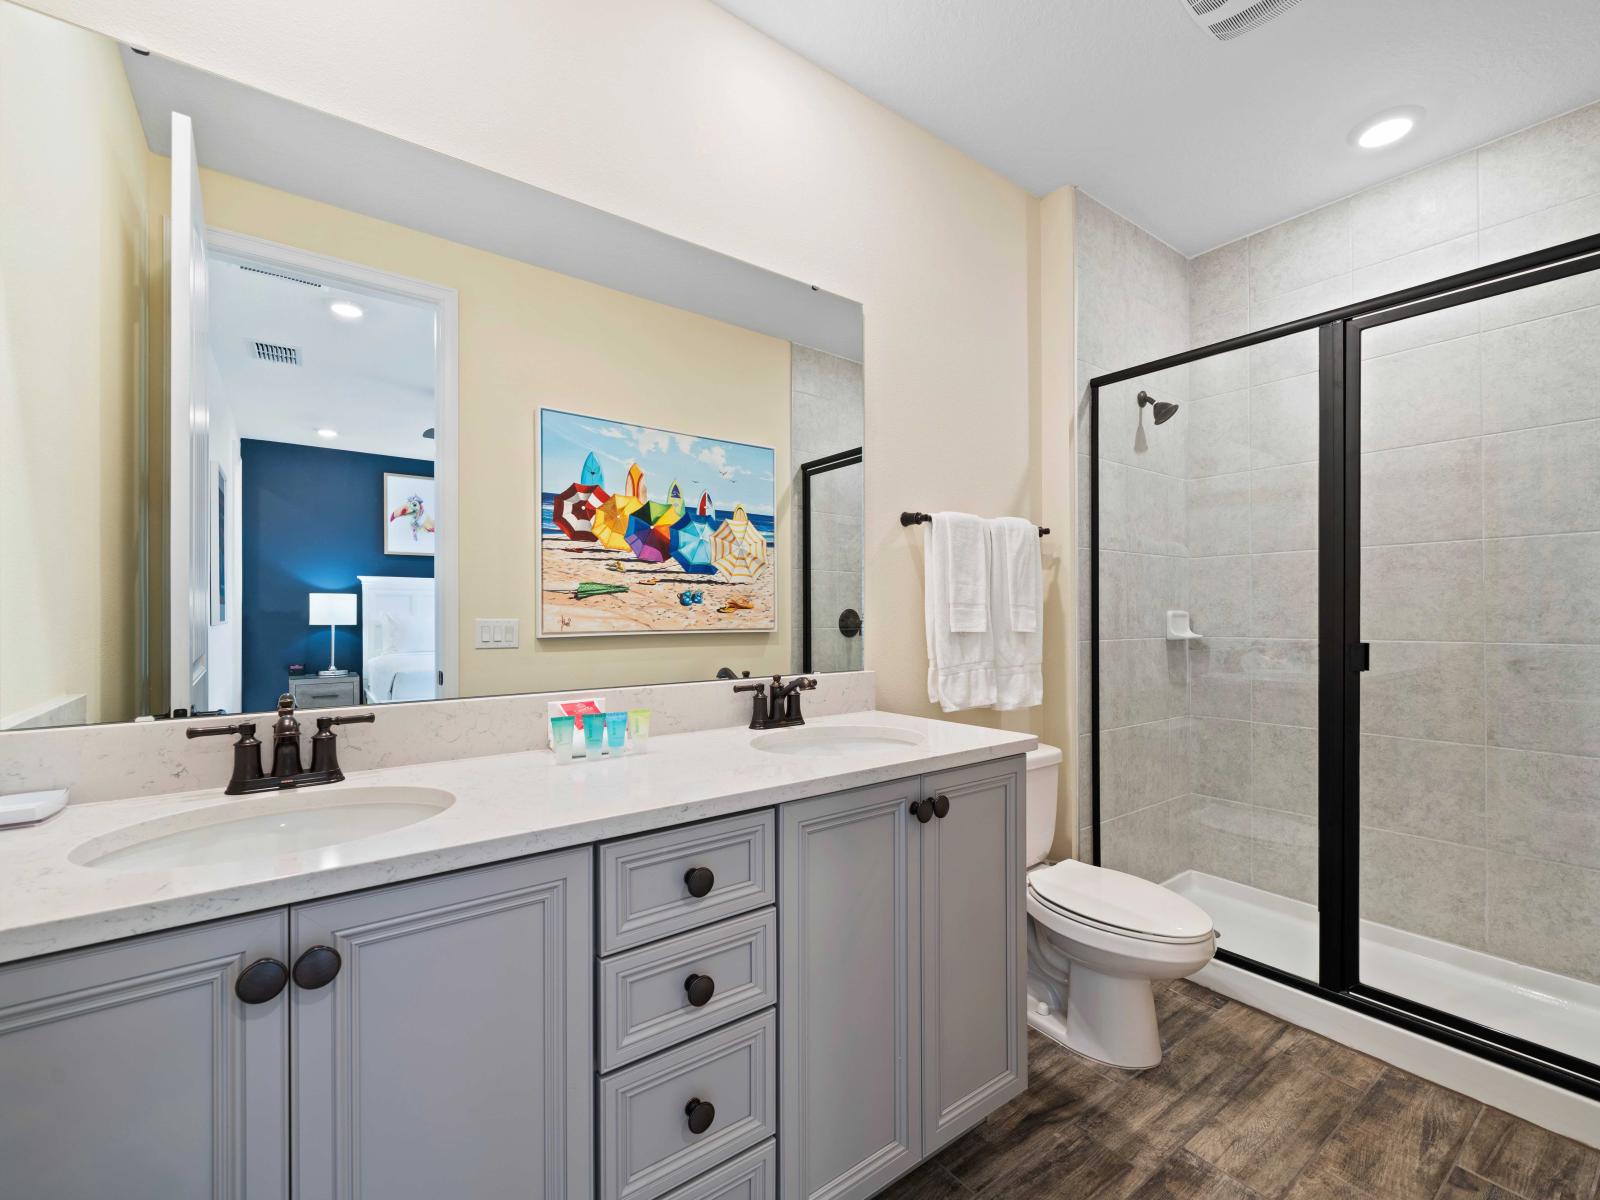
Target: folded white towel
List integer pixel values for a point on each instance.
(960, 664)
(960, 554)
(1014, 568)
(1016, 598)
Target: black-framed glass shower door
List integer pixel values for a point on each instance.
(1474, 573)
(1487, 376)
(831, 590)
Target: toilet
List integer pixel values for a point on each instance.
(1097, 940)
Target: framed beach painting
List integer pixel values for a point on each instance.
(645, 530)
(409, 509)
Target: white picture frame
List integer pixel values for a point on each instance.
(408, 526)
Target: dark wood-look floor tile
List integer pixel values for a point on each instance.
(1316, 1182)
(1529, 1161)
(1155, 1112)
(1062, 1086)
(1195, 994)
(930, 1181)
(1074, 1167)
(1349, 1067)
(1464, 1185)
(1185, 1177)
(1274, 1124)
(1177, 1016)
(1401, 1141)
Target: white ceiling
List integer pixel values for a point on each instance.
(370, 379)
(1196, 140)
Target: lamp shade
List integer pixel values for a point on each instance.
(332, 608)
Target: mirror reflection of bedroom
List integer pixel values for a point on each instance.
(323, 441)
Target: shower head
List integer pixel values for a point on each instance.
(1164, 410)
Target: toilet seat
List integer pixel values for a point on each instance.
(1119, 903)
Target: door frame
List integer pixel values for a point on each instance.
(1340, 653)
(447, 441)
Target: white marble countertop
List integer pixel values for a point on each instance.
(506, 806)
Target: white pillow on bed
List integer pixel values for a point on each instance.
(405, 634)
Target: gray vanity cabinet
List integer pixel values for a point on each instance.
(902, 974)
(135, 1070)
(451, 1053)
(850, 992)
(974, 951)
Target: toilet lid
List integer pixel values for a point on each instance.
(1119, 900)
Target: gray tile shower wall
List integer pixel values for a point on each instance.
(1133, 306)
(827, 416)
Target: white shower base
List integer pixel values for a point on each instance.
(1539, 1006)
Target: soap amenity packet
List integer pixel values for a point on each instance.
(588, 735)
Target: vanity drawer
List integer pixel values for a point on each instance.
(645, 881)
(646, 1144)
(645, 998)
(751, 1176)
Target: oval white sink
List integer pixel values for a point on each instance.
(263, 826)
(835, 739)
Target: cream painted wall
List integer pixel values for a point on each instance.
(674, 114)
(531, 338)
(72, 318)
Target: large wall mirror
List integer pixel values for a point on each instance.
(293, 406)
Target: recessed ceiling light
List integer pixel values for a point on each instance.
(345, 310)
(1385, 129)
(330, 434)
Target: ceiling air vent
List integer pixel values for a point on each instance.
(279, 275)
(287, 355)
(1228, 19)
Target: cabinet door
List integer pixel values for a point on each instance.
(134, 1070)
(974, 956)
(849, 982)
(452, 1053)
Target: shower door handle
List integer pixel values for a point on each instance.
(1361, 656)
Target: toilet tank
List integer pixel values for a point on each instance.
(1043, 771)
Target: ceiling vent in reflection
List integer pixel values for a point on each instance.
(278, 275)
(1228, 19)
(287, 355)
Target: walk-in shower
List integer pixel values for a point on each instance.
(1379, 768)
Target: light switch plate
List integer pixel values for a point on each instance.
(495, 633)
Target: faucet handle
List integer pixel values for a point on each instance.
(325, 723)
(245, 729)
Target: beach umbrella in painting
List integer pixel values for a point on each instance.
(657, 513)
(573, 511)
(649, 541)
(610, 522)
(691, 545)
(737, 548)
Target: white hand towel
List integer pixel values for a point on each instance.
(960, 665)
(960, 553)
(1014, 567)
(1017, 596)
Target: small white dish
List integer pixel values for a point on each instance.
(29, 808)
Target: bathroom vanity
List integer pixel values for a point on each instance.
(692, 973)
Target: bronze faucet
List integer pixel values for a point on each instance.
(779, 708)
(287, 771)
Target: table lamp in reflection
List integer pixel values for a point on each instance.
(332, 609)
